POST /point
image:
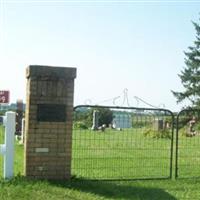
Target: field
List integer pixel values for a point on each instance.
(125, 154)
(114, 155)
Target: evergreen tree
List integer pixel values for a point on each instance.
(190, 75)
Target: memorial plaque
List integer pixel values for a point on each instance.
(51, 113)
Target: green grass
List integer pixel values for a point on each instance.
(21, 188)
(188, 155)
(126, 154)
(133, 146)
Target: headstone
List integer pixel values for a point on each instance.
(158, 124)
(95, 121)
(48, 122)
(191, 129)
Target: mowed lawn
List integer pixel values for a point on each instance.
(112, 154)
(125, 154)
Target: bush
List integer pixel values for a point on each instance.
(80, 125)
(165, 133)
(197, 126)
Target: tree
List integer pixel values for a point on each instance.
(105, 116)
(190, 75)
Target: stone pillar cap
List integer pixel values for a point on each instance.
(50, 71)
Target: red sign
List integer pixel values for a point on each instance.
(4, 96)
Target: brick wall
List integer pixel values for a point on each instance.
(47, 140)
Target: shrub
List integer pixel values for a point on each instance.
(80, 125)
(165, 133)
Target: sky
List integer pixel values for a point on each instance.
(124, 51)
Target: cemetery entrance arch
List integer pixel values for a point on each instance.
(111, 143)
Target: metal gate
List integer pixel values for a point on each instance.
(111, 143)
(188, 144)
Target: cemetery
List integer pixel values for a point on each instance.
(55, 142)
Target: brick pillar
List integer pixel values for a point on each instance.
(48, 123)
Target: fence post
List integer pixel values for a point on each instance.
(9, 123)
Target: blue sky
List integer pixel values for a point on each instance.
(138, 46)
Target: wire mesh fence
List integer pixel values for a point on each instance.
(188, 144)
(122, 143)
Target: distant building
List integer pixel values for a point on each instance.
(122, 120)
